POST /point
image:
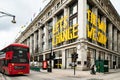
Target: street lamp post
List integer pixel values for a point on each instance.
(50, 69)
(51, 54)
(7, 14)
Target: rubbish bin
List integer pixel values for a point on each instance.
(102, 66)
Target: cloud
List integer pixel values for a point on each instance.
(23, 10)
(6, 38)
(5, 24)
(116, 4)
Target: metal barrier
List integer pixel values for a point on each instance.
(34, 68)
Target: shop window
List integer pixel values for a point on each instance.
(70, 51)
(35, 58)
(40, 58)
(47, 56)
(58, 4)
(73, 19)
(59, 16)
(89, 7)
(73, 9)
(107, 33)
(101, 55)
(91, 55)
(49, 24)
(58, 53)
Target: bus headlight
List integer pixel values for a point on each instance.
(12, 64)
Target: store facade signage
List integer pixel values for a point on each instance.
(96, 28)
(62, 32)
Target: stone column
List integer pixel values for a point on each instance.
(35, 40)
(43, 57)
(97, 54)
(115, 39)
(39, 40)
(82, 21)
(31, 45)
(112, 60)
(110, 36)
(108, 60)
(66, 11)
(28, 42)
(119, 42)
(66, 14)
(43, 39)
(82, 56)
(46, 37)
(104, 20)
(63, 59)
(95, 11)
(93, 56)
(117, 62)
(54, 21)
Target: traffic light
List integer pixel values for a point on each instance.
(74, 56)
(53, 55)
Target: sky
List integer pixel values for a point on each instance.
(25, 11)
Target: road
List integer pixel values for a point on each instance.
(65, 75)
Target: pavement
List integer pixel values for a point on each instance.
(1, 77)
(65, 74)
(83, 75)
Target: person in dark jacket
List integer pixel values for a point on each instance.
(93, 69)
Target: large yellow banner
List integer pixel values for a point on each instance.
(96, 29)
(62, 32)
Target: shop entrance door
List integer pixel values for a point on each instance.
(88, 60)
(57, 63)
(118, 62)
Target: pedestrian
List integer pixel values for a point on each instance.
(92, 71)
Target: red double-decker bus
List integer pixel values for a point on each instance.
(14, 59)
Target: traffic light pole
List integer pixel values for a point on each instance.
(52, 56)
(74, 67)
(74, 56)
(51, 59)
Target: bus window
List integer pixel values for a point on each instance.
(2, 54)
(20, 55)
(3, 62)
(6, 62)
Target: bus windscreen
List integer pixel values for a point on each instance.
(20, 55)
